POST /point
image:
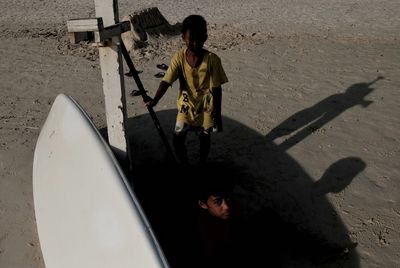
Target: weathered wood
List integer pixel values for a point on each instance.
(93, 30)
(107, 10)
(85, 25)
(113, 81)
(114, 30)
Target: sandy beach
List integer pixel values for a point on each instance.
(311, 113)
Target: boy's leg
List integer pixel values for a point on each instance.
(205, 144)
(179, 139)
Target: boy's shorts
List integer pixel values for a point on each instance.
(182, 127)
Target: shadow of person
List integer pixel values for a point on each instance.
(292, 222)
(287, 243)
(313, 118)
(339, 175)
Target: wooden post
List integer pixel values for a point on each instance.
(113, 81)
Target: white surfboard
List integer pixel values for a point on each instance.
(87, 215)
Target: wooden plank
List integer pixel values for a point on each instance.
(113, 81)
(82, 30)
(85, 25)
(114, 30)
(108, 11)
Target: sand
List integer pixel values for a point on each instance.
(315, 140)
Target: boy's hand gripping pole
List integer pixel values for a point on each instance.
(145, 97)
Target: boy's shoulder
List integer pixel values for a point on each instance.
(182, 52)
(211, 54)
(178, 56)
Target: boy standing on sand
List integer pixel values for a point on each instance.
(200, 75)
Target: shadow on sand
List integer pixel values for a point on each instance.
(289, 219)
(313, 118)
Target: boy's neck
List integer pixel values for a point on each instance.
(195, 53)
(194, 58)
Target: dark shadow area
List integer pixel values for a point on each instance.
(284, 216)
(339, 175)
(277, 213)
(313, 118)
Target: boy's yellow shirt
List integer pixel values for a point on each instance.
(195, 101)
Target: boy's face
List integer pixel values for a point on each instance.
(217, 206)
(194, 42)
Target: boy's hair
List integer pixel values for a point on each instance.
(213, 180)
(212, 188)
(196, 24)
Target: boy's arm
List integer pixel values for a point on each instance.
(217, 102)
(163, 87)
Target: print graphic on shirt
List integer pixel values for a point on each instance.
(184, 109)
(185, 97)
